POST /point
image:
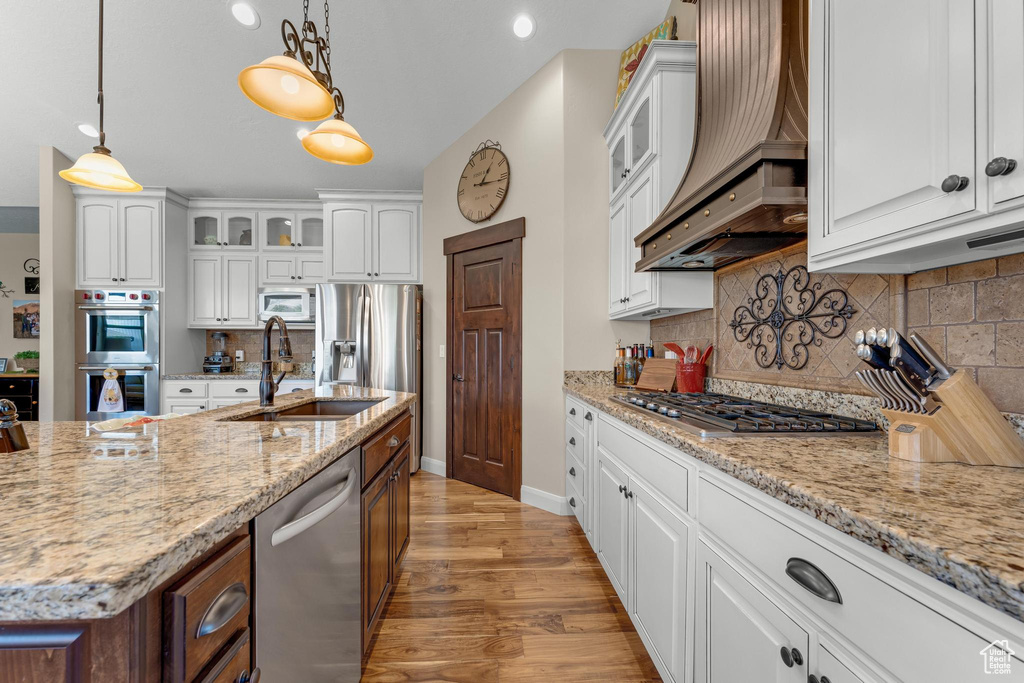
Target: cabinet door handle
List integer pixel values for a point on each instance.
(293, 244)
(629, 494)
(241, 390)
(572, 471)
(572, 440)
(246, 677)
(572, 411)
(376, 274)
(787, 658)
(813, 579)
(185, 391)
(223, 608)
(588, 416)
(299, 244)
(392, 442)
(458, 378)
(293, 277)
(369, 275)
(622, 489)
(113, 279)
(955, 183)
(1000, 166)
(298, 277)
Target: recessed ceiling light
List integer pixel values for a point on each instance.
(301, 133)
(88, 129)
(245, 14)
(524, 26)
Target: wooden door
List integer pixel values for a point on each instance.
(400, 511)
(741, 634)
(349, 243)
(899, 118)
(640, 210)
(205, 291)
(141, 241)
(396, 243)
(97, 242)
(376, 555)
(612, 535)
(239, 290)
(659, 544)
(484, 330)
(618, 243)
(1006, 99)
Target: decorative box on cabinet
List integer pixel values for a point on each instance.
(120, 240)
(939, 184)
(649, 138)
(372, 237)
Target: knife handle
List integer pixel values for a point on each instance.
(871, 356)
(916, 381)
(910, 363)
(909, 352)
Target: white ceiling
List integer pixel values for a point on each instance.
(415, 73)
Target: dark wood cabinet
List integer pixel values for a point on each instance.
(385, 520)
(24, 392)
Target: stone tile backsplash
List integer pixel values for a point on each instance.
(251, 341)
(973, 314)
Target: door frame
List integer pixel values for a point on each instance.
(510, 231)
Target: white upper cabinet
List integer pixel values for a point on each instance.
(646, 163)
(909, 139)
(221, 290)
(239, 288)
(204, 291)
(372, 240)
(120, 240)
(218, 230)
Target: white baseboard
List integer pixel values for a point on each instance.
(545, 501)
(433, 466)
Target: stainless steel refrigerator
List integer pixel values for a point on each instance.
(371, 335)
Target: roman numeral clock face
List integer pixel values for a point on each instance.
(484, 184)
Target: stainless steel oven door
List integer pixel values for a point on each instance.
(293, 304)
(117, 334)
(139, 384)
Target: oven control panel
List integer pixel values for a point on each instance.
(117, 296)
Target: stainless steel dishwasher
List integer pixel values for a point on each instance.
(307, 624)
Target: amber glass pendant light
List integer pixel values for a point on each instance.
(298, 85)
(98, 169)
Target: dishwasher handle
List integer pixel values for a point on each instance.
(293, 529)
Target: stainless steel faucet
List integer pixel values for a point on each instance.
(268, 385)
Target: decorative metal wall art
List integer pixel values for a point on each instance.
(788, 314)
(31, 266)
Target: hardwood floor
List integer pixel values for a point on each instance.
(494, 590)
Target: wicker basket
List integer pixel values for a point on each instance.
(30, 364)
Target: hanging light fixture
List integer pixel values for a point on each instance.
(298, 85)
(97, 168)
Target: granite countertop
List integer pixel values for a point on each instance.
(254, 376)
(962, 525)
(92, 522)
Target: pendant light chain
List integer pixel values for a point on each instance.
(99, 86)
(327, 33)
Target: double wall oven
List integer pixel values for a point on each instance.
(119, 330)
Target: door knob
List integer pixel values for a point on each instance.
(457, 377)
(1000, 166)
(955, 183)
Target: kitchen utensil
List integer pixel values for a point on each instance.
(942, 371)
(690, 356)
(675, 348)
(869, 336)
(870, 355)
(690, 377)
(914, 373)
(859, 338)
(911, 402)
(881, 337)
(888, 401)
(908, 352)
(704, 357)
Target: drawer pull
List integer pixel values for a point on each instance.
(241, 390)
(294, 390)
(392, 442)
(185, 391)
(572, 471)
(572, 411)
(572, 502)
(813, 579)
(572, 440)
(223, 608)
(588, 416)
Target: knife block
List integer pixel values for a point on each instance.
(966, 427)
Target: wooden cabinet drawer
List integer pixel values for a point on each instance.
(574, 439)
(232, 665)
(17, 387)
(931, 647)
(187, 390)
(382, 447)
(246, 391)
(663, 473)
(205, 611)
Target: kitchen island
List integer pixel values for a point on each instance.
(97, 525)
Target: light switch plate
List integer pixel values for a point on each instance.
(239, 355)
(442, 350)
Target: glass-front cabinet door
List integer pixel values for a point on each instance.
(278, 230)
(618, 164)
(205, 229)
(641, 144)
(238, 229)
(310, 231)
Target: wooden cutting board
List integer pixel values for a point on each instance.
(659, 375)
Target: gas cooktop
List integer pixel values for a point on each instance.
(716, 415)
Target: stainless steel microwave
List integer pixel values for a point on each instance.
(295, 305)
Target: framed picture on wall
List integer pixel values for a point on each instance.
(31, 285)
(3, 365)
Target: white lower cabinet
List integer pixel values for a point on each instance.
(192, 396)
(725, 584)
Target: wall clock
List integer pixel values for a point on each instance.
(484, 182)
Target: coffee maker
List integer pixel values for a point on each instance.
(220, 360)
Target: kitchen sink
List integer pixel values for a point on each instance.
(317, 410)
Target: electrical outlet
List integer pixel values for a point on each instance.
(442, 350)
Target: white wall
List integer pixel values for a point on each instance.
(15, 248)
(551, 130)
(57, 287)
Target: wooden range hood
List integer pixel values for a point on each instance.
(745, 189)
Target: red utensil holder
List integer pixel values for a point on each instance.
(690, 377)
